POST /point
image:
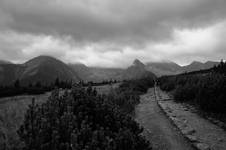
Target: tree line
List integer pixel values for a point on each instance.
(17, 88)
(32, 88)
(206, 90)
(81, 119)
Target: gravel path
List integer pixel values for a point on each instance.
(202, 133)
(158, 129)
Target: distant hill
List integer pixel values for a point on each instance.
(9, 73)
(46, 69)
(136, 71)
(82, 70)
(171, 68)
(163, 68)
(106, 74)
(43, 68)
(4, 62)
(96, 74)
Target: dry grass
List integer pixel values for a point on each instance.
(12, 110)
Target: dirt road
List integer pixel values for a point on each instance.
(157, 127)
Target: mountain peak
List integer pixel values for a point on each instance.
(41, 59)
(137, 62)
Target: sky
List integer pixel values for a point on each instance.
(112, 33)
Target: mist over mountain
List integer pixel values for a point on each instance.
(96, 74)
(42, 69)
(137, 70)
(163, 68)
(171, 68)
(46, 69)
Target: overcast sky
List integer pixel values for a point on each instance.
(112, 33)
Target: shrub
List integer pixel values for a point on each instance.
(82, 121)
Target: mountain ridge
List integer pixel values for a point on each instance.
(42, 68)
(47, 68)
(171, 68)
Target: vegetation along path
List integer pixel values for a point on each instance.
(158, 129)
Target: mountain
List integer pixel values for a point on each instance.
(100, 74)
(47, 69)
(82, 70)
(43, 68)
(96, 74)
(4, 62)
(136, 71)
(210, 64)
(194, 66)
(9, 73)
(171, 68)
(163, 68)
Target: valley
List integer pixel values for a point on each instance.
(128, 93)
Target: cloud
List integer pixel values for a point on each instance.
(112, 33)
(125, 21)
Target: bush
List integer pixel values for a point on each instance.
(126, 97)
(80, 120)
(207, 91)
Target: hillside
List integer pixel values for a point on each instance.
(4, 62)
(43, 68)
(137, 70)
(171, 68)
(9, 73)
(96, 74)
(163, 68)
(46, 69)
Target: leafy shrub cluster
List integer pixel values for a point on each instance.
(207, 91)
(126, 97)
(80, 120)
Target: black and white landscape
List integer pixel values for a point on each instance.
(112, 75)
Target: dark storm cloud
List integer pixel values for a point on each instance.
(105, 28)
(121, 21)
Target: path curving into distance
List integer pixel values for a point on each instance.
(158, 129)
